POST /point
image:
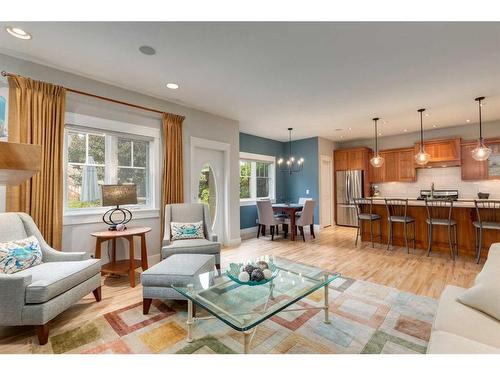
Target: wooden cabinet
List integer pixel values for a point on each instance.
(480, 170)
(398, 166)
(406, 167)
(340, 160)
(443, 152)
(351, 159)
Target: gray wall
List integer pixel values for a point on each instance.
(198, 124)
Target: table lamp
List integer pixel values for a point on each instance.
(116, 195)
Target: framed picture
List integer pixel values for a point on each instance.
(4, 111)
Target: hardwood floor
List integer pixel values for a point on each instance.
(333, 250)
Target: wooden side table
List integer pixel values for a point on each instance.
(126, 266)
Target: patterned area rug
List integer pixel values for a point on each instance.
(366, 318)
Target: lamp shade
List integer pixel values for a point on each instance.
(116, 195)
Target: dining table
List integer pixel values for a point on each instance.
(289, 209)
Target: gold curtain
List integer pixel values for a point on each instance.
(173, 176)
(36, 116)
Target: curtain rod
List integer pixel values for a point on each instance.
(7, 74)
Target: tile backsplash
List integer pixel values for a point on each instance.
(443, 178)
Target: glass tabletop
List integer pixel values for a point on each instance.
(242, 306)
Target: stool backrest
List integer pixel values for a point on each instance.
(439, 208)
(396, 207)
(487, 210)
(363, 205)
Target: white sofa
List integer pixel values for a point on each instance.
(460, 329)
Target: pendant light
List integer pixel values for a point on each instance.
(292, 165)
(481, 152)
(376, 161)
(422, 158)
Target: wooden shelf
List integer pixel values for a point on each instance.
(120, 267)
(18, 162)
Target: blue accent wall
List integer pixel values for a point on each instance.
(297, 183)
(262, 146)
(288, 188)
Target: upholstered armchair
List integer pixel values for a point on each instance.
(36, 295)
(190, 213)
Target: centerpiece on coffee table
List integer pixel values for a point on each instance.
(253, 273)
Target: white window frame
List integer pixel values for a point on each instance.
(247, 156)
(84, 123)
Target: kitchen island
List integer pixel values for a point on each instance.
(464, 212)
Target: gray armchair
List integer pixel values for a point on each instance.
(36, 295)
(190, 213)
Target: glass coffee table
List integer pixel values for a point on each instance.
(244, 307)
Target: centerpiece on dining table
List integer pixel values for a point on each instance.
(259, 272)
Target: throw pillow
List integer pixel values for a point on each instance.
(19, 255)
(484, 297)
(185, 231)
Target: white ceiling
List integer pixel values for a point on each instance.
(315, 77)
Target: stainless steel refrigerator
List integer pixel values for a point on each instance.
(349, 186)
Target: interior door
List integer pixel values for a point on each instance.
(326, 192)
(207, 184)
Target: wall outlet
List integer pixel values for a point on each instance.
(307, 191)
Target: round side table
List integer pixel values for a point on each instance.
(126, 266)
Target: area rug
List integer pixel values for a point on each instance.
(366, 318)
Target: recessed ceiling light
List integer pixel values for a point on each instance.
(426, 115)
(147, 50)
(341, 136)
(172, 86)
(18, 33)
(434, 126)
(405, 130)
(467, 120)
(379, 133)
(350, 128)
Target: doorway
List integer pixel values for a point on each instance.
(326, 193)
(208, 181)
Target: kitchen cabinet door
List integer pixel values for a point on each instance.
(407, 172)
(472, 169)
(391, 166)
(340, 160)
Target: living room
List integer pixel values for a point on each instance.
(269, 188)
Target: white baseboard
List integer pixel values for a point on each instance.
(247, 233)
(233, 242)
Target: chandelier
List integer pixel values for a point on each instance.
(291, 165)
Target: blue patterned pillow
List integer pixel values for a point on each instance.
(185, 231)
(18, 255)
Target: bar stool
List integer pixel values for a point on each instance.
(488, 217)
(397, 212)
(364, 212)
(439, 213)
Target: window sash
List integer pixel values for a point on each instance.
(111, 166)
(267, 173)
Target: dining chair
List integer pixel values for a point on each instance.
(307, 218)
(488, 217)
(267, 218)
(302, 201)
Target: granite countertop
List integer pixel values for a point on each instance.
(466, 202)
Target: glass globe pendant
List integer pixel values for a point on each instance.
(376, 161)
(422, 158)
(481, 152)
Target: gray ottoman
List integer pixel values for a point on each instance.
(178, 269)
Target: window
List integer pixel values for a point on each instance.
(94, 158)
(257, 177)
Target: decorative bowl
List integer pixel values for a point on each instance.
(235, 269)
(483, 195)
